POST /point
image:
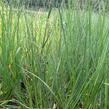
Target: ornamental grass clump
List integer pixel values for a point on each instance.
(54, 59)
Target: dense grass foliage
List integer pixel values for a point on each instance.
(54, 59)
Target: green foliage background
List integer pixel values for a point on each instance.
(95, 4)
(30, 3)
